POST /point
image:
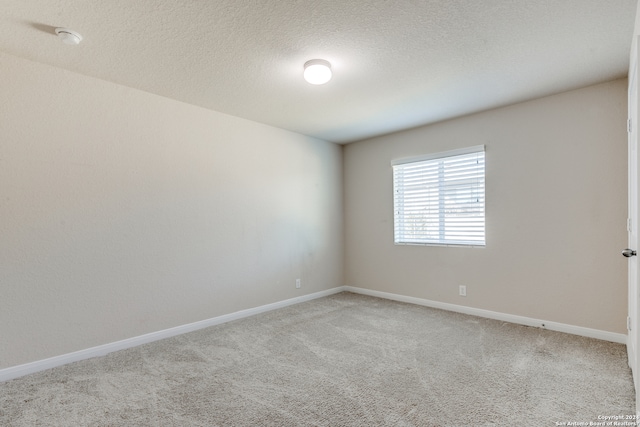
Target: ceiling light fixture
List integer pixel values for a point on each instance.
(317, 71)
(68, 36)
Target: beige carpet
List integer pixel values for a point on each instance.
(344, 360)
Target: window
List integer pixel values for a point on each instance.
(439, 198)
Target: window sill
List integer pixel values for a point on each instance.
(450, 245)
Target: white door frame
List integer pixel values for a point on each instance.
(633, 224)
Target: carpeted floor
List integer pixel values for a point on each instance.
(344, 360)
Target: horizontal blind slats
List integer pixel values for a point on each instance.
(440, 201)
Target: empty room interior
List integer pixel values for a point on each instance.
(192, 233)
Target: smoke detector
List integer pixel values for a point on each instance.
(68, 36)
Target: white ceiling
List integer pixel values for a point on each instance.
(397, 64)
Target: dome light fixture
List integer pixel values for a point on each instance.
(317, 71)
(68, 36)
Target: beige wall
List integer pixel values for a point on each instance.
(556, 210)
(123, 213)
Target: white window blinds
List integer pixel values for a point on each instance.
(439, 198)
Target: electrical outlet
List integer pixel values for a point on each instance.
(298, 284)
(462, 290)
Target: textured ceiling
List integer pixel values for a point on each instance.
(397, 64)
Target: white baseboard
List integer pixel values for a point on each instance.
(101, 350)
(511, 318)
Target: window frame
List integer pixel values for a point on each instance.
(398, 211)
